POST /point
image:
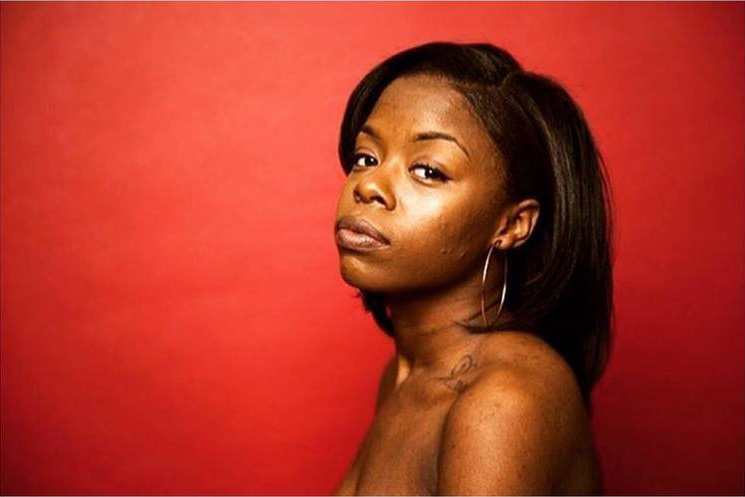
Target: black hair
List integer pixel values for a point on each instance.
(560, 283)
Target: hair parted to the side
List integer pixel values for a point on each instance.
(560, 284)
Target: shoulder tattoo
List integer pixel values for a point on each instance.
(454, 380)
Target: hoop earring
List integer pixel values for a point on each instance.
(483, 282)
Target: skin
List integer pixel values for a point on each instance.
(457, 413)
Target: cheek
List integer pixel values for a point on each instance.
(460, 237)
(452, 234)
(345, 197)
(457, 225)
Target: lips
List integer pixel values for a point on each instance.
(361, 226)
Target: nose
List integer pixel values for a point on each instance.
(374, 186)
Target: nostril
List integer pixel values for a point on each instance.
(369, 193)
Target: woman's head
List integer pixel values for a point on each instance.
(449, 148)
(427, 175)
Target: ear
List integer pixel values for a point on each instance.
(516, 224)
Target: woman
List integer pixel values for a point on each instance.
(474, 219)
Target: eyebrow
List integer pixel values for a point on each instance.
(427, 135)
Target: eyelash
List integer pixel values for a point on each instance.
(439, 176)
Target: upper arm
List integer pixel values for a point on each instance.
(506, 438)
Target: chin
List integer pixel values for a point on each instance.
(357, 277)
(362, 276)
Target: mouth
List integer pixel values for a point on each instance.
(356, 233)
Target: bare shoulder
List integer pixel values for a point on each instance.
(518, 425)
(521, 366)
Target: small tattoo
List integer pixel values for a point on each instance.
(460, 368)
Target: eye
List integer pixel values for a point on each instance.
(363, 160)
(430, 172)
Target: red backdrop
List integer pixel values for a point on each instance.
(173, 319)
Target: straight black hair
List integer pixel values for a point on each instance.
(560, 283)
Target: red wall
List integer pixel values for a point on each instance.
(173, 319)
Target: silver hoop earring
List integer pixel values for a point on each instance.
(483, 283)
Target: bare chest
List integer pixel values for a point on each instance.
(400, 451)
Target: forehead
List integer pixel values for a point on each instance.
(424, 103)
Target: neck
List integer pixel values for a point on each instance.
(426, 337)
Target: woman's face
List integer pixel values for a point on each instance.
(435, 199)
